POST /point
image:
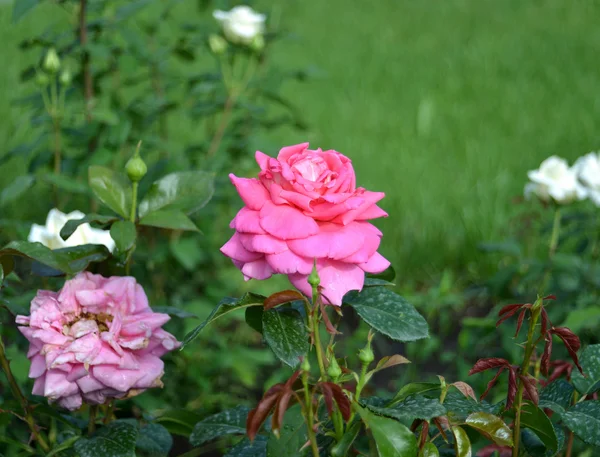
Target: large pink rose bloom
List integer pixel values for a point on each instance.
(305, 205)
(94, 340)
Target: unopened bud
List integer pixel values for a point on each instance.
(334, 371)
(135, 167)
(258, 43)
(313, 278)
(365, 355)
(217, 44)
(305, 365)
(42, 80)
(51, 61)
(65, 78)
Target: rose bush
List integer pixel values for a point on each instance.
(94, 340)
(555, 181)
(303, 206)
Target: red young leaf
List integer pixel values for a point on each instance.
(560, 367)
(546, 324)
(283, 401)
(279, 298)
(331, 392)
(390, 361)
(520, 322)
(545, 362)
(549, 297)
(465, 389)
(530, 386)
(571, 341)
(507, 312)
(442, 425)
(328, 325)
(486, 364)
(258, 415)
(492, 383)
(512, 387)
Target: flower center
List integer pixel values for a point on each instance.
(310, 168)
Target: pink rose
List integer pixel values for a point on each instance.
(94, 340)
(305, 205)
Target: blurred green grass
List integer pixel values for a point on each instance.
(444, 105)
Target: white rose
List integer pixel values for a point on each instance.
(49, 234)
(554, 180)
(587, 169)
(242, 24)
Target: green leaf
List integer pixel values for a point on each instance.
(112, 188)
(231, 422)
(374, 282)
(173, 219)
(583, 419)
(154, 439)
(492, 427)
(254, 317)
(79, 257)
(388, 313)
(66, 444)
(536, 448)
(459, 407)
(429, 450)
(388, 274)
(462, 444)
(35, 251)
(413, 407)
(292, 435)
(14, 190)
(557, 396)
(174, 311)
(124, 235)
(415, 388)
(8, 264)
(535, 419)
(21, 7)
(392, 438)
(186, 191)
(342, 448)
(117, 439)
(226, 306)
(285, 333)
(70, 226)
(245, 448)
(179, 422)
(590, 362)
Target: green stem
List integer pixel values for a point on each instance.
(309, 416)
(529, 348)
(92, 422)
(109, 413)
(552, 247)
(317, 333)
(338, 424)
(571, 438)
(14, 387)
(361, 380)
(133, 202)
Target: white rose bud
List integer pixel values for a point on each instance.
(587, 169)
(555, 181)
(49, 234)
(217, 44)
(242, 24)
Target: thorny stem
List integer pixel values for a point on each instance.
(14, 387)
(216, 141)
(309, 416)
(92, 422)
(109, 413)
(529, 348)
